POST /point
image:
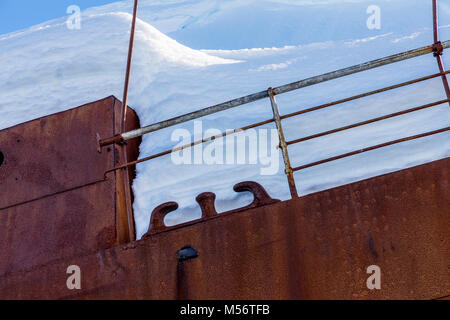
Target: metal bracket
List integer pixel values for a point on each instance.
(262, 198)
(207, 204)
(438, 49)
(157, 218)
(117, 139)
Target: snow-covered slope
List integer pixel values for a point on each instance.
(49, 68)
(66, 67)
(238, 24)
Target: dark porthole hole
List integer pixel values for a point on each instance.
(187, 253)
(2, 158)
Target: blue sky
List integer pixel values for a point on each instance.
(20, 14)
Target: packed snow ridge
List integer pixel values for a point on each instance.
(190, 54)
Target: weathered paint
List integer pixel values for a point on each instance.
(54, 202)
(314, 247)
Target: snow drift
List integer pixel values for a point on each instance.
(49, 68)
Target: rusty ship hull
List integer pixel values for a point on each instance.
(57, 209)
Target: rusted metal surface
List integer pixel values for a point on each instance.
(55, 202)
(65, 225)
(438, 49)
(53, 153)
(207, 202)
(108, 141)
(261, 197)
(158, 215)
(315, 247)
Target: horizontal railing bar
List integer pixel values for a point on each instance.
(371, 148)
(282, 89)
(195, 115)
(292, 115)
(283, 117)
(363, 95)
(187, 146)
(363, 123)
(359, 68)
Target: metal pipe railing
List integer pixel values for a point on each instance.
(423, 135)
(258, 124)
(363, 123)
(278, 90)
(190, 145)
(439, 49)
(123, 152)
(363, 95)
(128, 68)
(283, 145)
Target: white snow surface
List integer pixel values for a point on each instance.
(191, 54)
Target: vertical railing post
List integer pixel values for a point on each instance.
(123, 152)
(128, 68)
(438, 49)
(287, 163)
